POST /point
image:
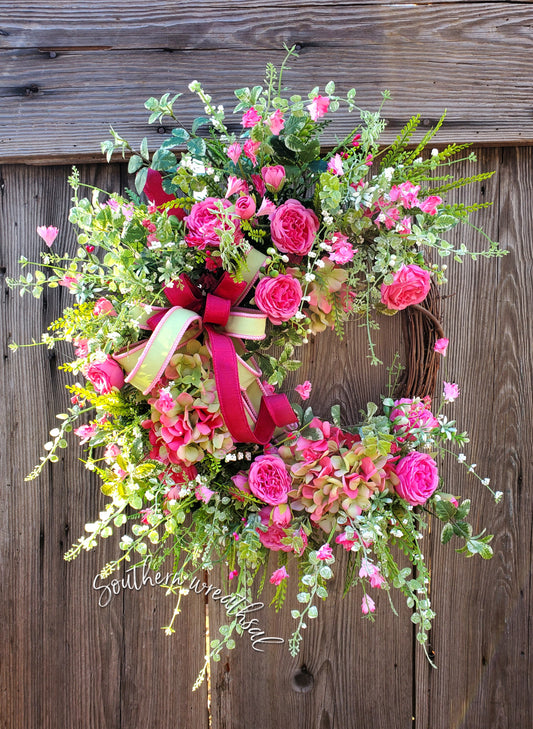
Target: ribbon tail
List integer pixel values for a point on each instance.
(274, 411)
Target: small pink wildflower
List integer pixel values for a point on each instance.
(233, 574)
(325, 552)
(451, 391)
(151, 239)
(103, 306)
(235, 184)
(278, 576)
(441, 346)
(267, 207)
(127, 211)
(113, 204)
(404, 226)
(355, 140)
(304, 390)
(345, 541)
(112, 450)
(250, 148)
(259, 184)
(250, 118)
(202, 493)
(429, 205)
(276, 123)
(48, 234)
(86, 432)
(369, 159)
(318, 107)
(368, 605)
(335, 165)
(234, 152)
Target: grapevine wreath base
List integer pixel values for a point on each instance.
(247, 240)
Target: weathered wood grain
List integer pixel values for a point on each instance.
(482, 638)
(65, 661)
(71, 80)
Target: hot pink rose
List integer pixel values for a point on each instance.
(418, 476)
(410, 285)
(293, 228)
(274, 177)
(269, 480)
(202, 221)
(278, 298)
(245, 207)
(105, 376)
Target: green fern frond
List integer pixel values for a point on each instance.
(428, 136)
(401, 142)
(460, 182)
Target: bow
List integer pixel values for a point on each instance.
(250, 413)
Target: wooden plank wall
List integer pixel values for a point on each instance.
(70, 69)
(67, 70)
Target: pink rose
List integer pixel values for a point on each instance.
(410, 285)
(274, 177)
(418, 477)
(279, 298)
(245, 207)
(202, 221)
(293, 228)
(269, 480)
(105, 376)
(103, 306)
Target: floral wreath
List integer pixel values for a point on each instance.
(252, 239)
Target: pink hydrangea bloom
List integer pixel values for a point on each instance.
(318, 107)
(279, 575)
(441, 346)
(250, 118)
(451, 391)
(325, 552)
(368, 605)
(48, 234)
